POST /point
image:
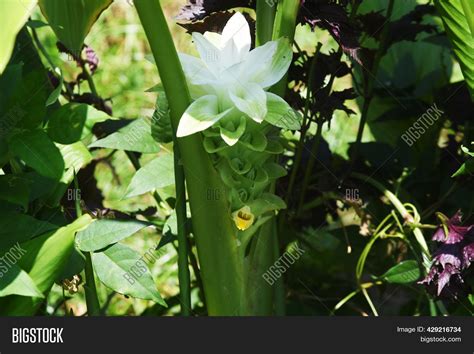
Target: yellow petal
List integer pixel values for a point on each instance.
(243, 218)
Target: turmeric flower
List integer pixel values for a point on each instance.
(229, 81)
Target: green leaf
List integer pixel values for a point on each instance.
(16, 227)
(458, 19)
(134, 137)
(102, 233)
(158, 173)
(75, 265)
(281, 115)
(468, 166)
(320, 239)
(39, 152)
(44, 261)
(13, 15)
(53, 97)
(266, 203)
(114, 268)
(75, 157)
(17, 282)
(15, 189)
(72, 20)
(73, 122)
(161, 129)
(465, 169)
(403, 273)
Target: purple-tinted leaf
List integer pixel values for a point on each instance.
(333, 18)
(215, 22)
(196, 10)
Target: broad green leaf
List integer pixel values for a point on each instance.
(44, 261)
(134, 137)
(403, 273)
(17, 282)
(13, 15)
(102, 233)
(15, 189)
(458, 19)
(39, 152)
(16, 227)
(122, 269)
(26, 106)
(158, 173)
(75, 265)
(75, 157)
(72, 20)
(53, 97)
(73, 122)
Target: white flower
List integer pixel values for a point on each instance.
(228, 82)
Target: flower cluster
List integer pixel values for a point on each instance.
(236, 115)
(452, 258)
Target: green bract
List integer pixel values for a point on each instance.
(228, 83)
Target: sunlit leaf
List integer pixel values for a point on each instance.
(123, 270)
(103, 233)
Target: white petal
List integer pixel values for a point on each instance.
(195, 70)
(208, 52)
(267, 64)
(237, 33)
(280, 114)
(215, 38)
(251, 100)
(200, 115)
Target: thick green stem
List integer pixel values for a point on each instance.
(215, 234)
(285, 26)
(265, 20)
(92, 301)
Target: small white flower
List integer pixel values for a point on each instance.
(228, 82)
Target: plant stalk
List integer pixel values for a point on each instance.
(215, 234)
(92, 300)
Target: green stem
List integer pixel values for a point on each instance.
(215, 234)
(285, 26)
(42, 50)
(404, 213)
(306, 118)
(90, 81)
(265, 20)
(310, 167)
(369, 83)
(180, 207)
(92, 301)
(279, 293)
